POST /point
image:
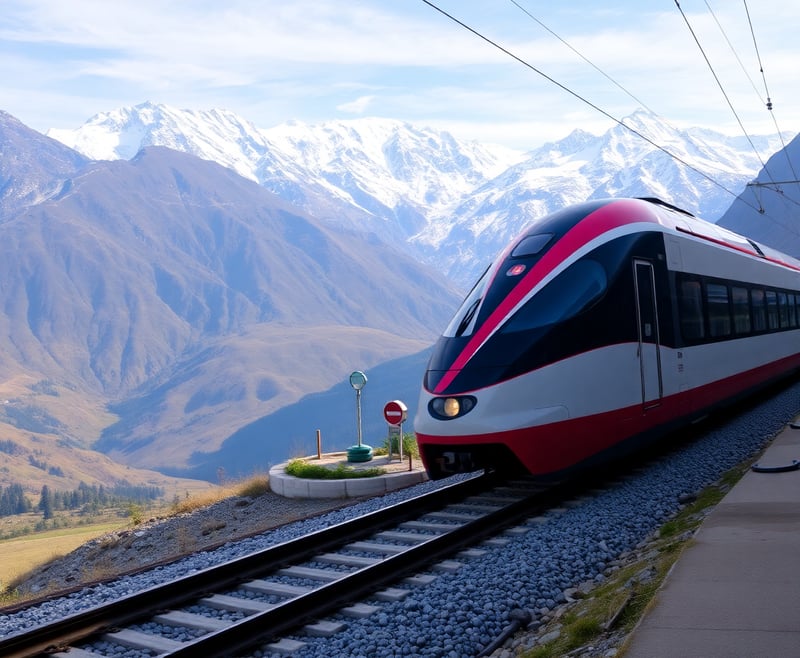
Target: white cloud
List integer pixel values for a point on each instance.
(312, 60)
(358, 106)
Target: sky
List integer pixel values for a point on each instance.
(273, 61)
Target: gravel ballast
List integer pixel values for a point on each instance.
(460, 613)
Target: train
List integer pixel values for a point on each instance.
(602, 327)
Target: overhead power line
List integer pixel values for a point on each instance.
(608, 77)
(766, 89)
(721, 88)
(583, 57)
(586, 101)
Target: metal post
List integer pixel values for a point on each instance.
(400, 442)
(361, 452)
(358, 414)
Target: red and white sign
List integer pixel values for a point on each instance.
(395, 412)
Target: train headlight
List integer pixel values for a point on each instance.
(452, 407)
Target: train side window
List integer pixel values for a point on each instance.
(691, 310)
(719, 315)
(759, 309)
(463, 321)
(772, 310)
(797, 308)
(792, 305)
(783, 310)
(741, 309)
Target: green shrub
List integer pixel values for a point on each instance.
(302, 469)
(410, 446)
(135, 513)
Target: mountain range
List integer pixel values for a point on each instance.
(449, 203)
(152, 306)
(185, 292)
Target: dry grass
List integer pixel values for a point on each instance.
(251, 487)
(20, 555)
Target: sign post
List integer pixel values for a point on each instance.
(360, 452)
(395, 413)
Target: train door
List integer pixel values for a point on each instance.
(647, 324)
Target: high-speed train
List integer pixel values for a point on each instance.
(602, 326)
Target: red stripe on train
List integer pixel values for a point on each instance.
(558, 446)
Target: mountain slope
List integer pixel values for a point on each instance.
(378, 175)
(582, 167)
(334, 414)
(32, 167)
(768, 211)
(167, 248)
(193, 300)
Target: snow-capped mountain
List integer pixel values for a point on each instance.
(216, 135)
(376, 175)
(700, 172)
(453, 203)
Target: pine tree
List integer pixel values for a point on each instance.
(46, 503)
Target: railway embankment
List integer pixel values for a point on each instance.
(557, 568)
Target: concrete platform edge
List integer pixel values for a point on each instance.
(289, 486)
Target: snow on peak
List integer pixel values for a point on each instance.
(217, 135)
(454, 202)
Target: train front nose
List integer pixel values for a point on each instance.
(446, 444)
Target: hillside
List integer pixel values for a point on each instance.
(165, 301)
(768, 210)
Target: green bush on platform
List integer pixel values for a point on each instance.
(300, 468)
(410, 446)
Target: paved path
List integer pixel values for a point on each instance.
(735, 591)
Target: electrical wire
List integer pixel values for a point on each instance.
(735, 54)
(773, 185)
(758, 55)
(583, 57)
(766, 90)
(613, 81)
(722, 89)
(587, 102)
(768, 102)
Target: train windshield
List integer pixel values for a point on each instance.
(571, 292)
(531, 245)
(463, 322)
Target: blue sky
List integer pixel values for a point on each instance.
(317, 60)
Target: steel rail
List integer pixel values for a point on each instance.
(284, 617)
(140, 605)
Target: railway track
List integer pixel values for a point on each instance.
(254, 600)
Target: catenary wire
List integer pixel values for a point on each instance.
(721, 87)
(588, 102)
(735, 54)
(768, 104)
(607, 76)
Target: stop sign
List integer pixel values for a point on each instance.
(395, 412)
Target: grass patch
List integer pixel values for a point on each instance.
(24, 549)
(300, 468)
(20, 555)
(254, 487)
